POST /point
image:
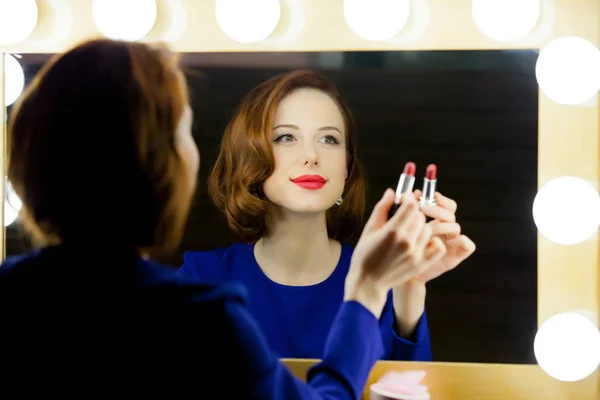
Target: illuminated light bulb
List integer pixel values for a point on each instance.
(506, 20)
(124, 19)
(248, 21)
(18, 19)
(566, 210)
(376, 20)
(568, 70)
(14, 81)
(567, 347)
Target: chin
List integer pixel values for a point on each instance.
(301, 201)
(307, 207)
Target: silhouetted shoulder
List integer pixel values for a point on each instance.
(75, 276)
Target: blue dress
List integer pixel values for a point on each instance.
(297, 319)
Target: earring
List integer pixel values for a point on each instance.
(339, 201)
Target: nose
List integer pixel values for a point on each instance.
(310, 156)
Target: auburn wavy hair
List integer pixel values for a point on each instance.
(91, 148)
(246, 160)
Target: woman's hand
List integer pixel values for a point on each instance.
(390, 253)
(409, 297)
(458, 247)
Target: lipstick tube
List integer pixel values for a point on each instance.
(429, 185)
(405, 184)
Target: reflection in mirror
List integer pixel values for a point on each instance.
(472, 113)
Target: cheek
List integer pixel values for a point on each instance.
(193, 155)
(339, 164)
(190, 155)
(272, 185)
(283, 159)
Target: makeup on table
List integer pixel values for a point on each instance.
(406, 184)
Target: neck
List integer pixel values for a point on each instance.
(297, 250)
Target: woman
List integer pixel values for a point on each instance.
(291, 186)
(101, 154)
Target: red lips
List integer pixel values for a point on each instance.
(309, 178)
(311, 182)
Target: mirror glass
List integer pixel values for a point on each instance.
(473, 113)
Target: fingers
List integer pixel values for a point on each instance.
(424, 237)
(442, 201)
(415, 226)
(446, 202)
(409, 223)
(434, 251)
(446, 230)
(462, 246)
(439, 213)
(380, 212)
(405, 214)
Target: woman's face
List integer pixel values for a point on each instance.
(309, 144)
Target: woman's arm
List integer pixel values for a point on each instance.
(405, 341)
(409, 306)
(352, 348)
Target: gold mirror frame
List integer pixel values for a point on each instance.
(2, 153)
(568, 276)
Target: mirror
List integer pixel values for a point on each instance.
(473, 113)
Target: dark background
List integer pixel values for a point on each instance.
(473, 113)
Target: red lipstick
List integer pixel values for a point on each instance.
(405, 184)
(429, 184)
(311, 182)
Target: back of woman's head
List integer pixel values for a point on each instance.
(91, 148)
(246, 160)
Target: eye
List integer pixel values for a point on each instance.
(286, 137)
(330, 140)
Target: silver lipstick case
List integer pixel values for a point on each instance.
(428, 195)
(405, 184)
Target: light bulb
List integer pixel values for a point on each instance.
(566, 210)
(376, 20)
(248, 21)
(124, 19)
(568, 70)
(14, 79)
(506, 20)
(567, 347)
(18, 19)
(12, 205)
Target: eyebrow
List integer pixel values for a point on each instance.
(323, 128)
(329, 128)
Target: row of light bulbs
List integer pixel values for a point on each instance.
(566, 210)
(250, 21)
(567, 70)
